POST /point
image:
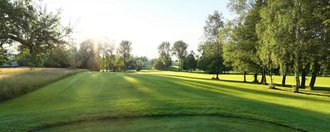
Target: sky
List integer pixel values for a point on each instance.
(146, 23)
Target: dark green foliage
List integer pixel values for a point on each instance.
(158, 64)
(3, 56)
(211, 59)
(33, 28)
(59, 57)
(190, 63)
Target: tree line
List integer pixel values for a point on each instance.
(104, 56)
(289, 36)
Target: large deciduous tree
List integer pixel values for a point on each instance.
(239, 51)
(107, 55)
(295, 34)
(179, 49)
(164, 51)
(32, 27)
(89, 55)
(211, 48)
(124, 50)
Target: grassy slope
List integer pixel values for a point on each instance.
(93, 95)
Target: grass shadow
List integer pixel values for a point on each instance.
(249, 90)
(278, 85)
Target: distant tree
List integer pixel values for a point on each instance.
(165, 55)
(158, 64)
(59, 56)
(89, 55)
(124, 50)
(139, 65)
(131, 63)
(107, 55)
(118, 64)
(179, 49)
(211, 48)
(190, 63)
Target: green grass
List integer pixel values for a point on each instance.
(18, 81)
(189, 123)
(164, 101)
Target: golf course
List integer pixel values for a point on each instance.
(166, 101)
(164, 66)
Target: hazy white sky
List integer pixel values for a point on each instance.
(146, 23)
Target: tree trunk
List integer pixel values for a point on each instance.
(255, 78)
(272, 86)
(303, 78)
(296, 88)
(296, 53)
(217, 77)
(263, 77)
(244, 76)
(180, 69)
(284, 79)
(316, 69)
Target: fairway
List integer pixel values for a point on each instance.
(164, 101)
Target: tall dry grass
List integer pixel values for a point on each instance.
(18, 81)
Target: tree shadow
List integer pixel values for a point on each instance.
(322, 88)
(313, 92)
(210, 83)
(208, 90)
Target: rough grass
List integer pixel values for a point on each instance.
(18, 81)
(151, 100)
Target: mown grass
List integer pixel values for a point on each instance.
(163, 101)
(180, 124)
(18, 81)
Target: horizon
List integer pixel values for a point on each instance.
(145, 23)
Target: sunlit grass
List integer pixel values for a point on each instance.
(17, 81)
(10, 72)
(95, 101)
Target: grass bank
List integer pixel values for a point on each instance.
(18, 81)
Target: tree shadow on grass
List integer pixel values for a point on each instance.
(322, 88)
(211, 82)
(313, 92)
(281, 113)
